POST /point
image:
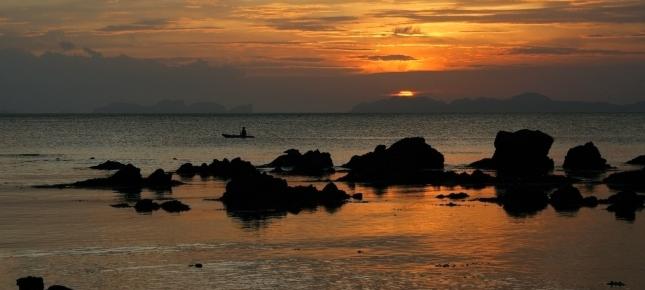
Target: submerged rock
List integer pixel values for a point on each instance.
(409, 154)
(585, 157)
(222, 169)
(566, 198)
(174, 206)
(58, 287)
(30, 283)
(523, 201)
(453, 195)
(640, 160)
(146, 205)
(520, 153)
(109, 165)
(634, 180)
(625, 204)
(310, 163)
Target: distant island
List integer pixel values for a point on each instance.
(526, 102)
(173, 107)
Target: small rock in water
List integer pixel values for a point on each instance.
(454, 195)
(357, 196)
(146, 205)
(174, 206)
(30, 283)
(615, 284)
(58, 287)
(120, 205)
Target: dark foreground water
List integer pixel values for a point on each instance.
(399, 237)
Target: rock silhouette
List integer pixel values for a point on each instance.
(634, 180)
(174, 206)
(476, 179)
(524, 152)
(521, 201)
(109, 165)
(640, 160)
(584, 157)
(625, 204)
(409, 154)
(30, 283)
(58, 287)
(566, 198)
(310, 163)
(146, 205)
(453, 195)
(223, 169)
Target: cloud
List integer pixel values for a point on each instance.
(325, 23)
(390, 57)
(549, 50)
(406, 30)
(551, 12)
(158, 25)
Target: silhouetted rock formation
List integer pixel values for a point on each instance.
(36, 283)
(625, 204)
(640, 160)
(477, 179)
(634, 180)
(260, 191)
(524, 152)
(146, 205)
(223, 169)
(127, 179)
(566, 198)
(109, 165)
(310, 163)
(584, 157)
(453, 195)
(174, 206)
(30, 283)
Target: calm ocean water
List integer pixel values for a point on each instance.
(396, 239)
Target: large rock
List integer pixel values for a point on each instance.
(409, 154)
(109, 165)
(634, 180)
(584, 157)
(30, 283)
(566, 198)
(640, 160)
(310, 163)
(524, 152)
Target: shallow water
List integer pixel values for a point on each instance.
(399, 237)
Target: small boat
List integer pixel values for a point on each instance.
(242, 135)
(237, 136)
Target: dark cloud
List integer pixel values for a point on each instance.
(150, 25)
(390, 57)
(537, 50)
(556, 12)
(302, 59)
(328, 23)
(406, 30)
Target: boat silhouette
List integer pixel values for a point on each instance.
(242, 134)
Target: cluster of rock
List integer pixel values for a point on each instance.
(126, 178)
(148, 205)
(36, 283)
(222, 169)
(310, 163)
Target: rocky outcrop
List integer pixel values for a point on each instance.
(310, 163)
(222, 169)
(453, 195)
(625, 204)
(146, 205)
(640, 160)
(566, 198)
(634, 180)
(584, 157)
(174, 206)
(409, 154)
(109, 165)
(30, 283)
(524, 152)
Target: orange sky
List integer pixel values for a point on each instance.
(352, 35)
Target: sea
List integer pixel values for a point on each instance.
(397, 237)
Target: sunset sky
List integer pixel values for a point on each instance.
(334, 38)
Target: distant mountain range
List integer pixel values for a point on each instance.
(173, 107)
(527, 102)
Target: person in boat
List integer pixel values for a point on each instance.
(243, 133)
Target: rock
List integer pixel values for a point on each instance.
(58, 287)
(523, 201)
(584, 157)
(634, 180)
(199, 265)
(590, 201)
(640, 160)
(625, 204)
(120, 205)
(186, 170)
(30, 283)
(357, 196)
(615, 284)
(453, 195)
(566, 198)
(409, 154)
(310, 163)
(222, 169)
(524, 152)
(146, 205)
(174, 206)
(159, 179)
(109, 165)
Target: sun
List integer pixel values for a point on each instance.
(404, 94)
